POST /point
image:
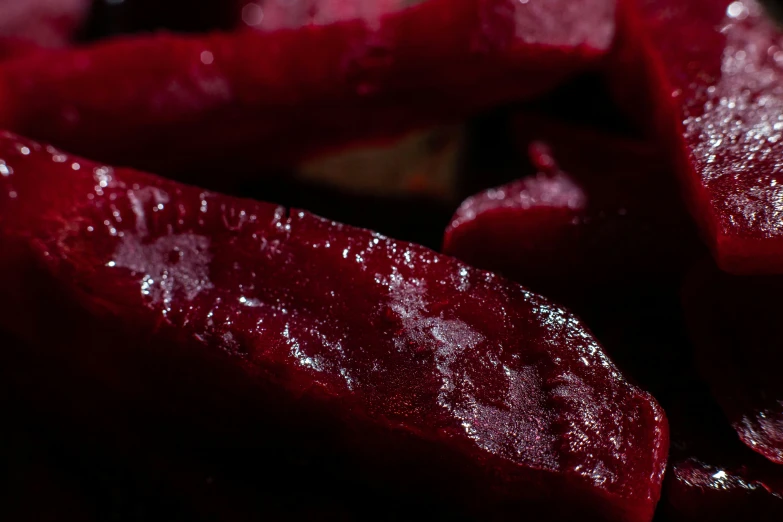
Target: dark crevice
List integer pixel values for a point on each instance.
(111, 17)
(774, 9)
(416, 219)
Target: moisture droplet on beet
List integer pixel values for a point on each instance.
(425, 374)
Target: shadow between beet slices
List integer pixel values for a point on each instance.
(732, 320)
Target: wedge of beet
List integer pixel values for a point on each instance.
(712, 69)
(732, 321)
(423, 374)
(597, 209)
(250, 99)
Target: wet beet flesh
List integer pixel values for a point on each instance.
(711, 69)
(388, 352)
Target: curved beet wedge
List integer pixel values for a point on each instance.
(424, 374)
(598, 210)
(732, 322)
(712, 69)
(254, 99)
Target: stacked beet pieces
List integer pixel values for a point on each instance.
(242, 360)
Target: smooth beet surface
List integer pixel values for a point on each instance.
(597, 209)
(249, 99)
(713, 71)
(732, 321)
(428, 373)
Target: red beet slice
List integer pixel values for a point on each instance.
(50, 23)
(713, 69)
(733, 320)
(429, 373)
(599, 209)
(249, 99)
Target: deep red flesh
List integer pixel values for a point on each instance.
(497, 398)
(733, 321)
(11, 47)
(713, 68)
(239, 101)
(598, 209)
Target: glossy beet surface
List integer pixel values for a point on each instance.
(733, 324)
(597, 209)
(434, 374)
(714, 68)
(249, 99)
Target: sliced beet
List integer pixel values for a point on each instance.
(597, 209)
(237, 102)
(733, 320)
(712, 72)
(423, 374)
